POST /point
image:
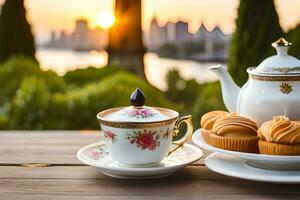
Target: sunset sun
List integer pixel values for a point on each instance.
(106, 19)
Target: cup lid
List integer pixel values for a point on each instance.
(137, 112)
(280, 64)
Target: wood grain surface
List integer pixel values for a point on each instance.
(62, 176)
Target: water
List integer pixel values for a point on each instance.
(156, 68)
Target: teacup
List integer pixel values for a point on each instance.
(141, 136)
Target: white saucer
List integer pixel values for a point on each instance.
(236, 167)
(97, 156)
(270, 162)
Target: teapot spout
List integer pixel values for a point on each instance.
(230, 91)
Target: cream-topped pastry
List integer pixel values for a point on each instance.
(236, 133)
(280, 130)
(207, 122)
(234, 125)
(280, 136)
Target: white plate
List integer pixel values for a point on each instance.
(236, 167)
(97, 156)
(256, 160)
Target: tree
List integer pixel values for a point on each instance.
(125, 46)
(168, 50)
(257, 26)
(293, 37)
(15, 32)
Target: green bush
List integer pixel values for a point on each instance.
(80, 106)
(168, 51)
(197, 99)
(29, 106)
(209, 99)
(180, 90)
(193, 47)
(80, 77)
(15, 69)
(34, 99)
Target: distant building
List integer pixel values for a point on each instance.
(64, 40)
(182, 31)
(201, 34)
(81, 36)
(157, 36)
(81, 39)
(52, 37)
(171, 32)
(215, 42)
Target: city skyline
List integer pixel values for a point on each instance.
(46, 16)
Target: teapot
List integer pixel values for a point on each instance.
(273, 87)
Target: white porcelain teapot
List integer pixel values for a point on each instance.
(273, 87)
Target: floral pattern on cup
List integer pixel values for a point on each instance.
(147, 139)
(140, 113)
(109, 135)
(97, 153)
(166, 134)
(144, 139)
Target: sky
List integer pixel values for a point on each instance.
(47, 15)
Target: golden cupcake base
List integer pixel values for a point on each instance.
(206, 135)
(271, 148)
(247, 145)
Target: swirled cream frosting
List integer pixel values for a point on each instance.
(208, 119)
(280, 130)
(234, 125)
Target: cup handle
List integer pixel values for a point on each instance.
(188, 134)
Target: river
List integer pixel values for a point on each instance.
(156, 68)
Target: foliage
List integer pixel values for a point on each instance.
(80, 105)
(193, 47)
(175, 85)
(180, 90)
(183, 51)
(15, 69)
(80, 77)
(293, 37)
(196, 98)
(218, 46)
(257, 26)
(209, 99)
(168, 50)
(15, 34)
(35, 99)
(29, 109)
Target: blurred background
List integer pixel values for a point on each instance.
(61, 62)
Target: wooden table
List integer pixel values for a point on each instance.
(64, 177)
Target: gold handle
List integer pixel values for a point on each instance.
(188, 134)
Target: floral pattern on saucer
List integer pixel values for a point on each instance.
(97, 153)
(140, 113)
(109, 135)
(170, 164)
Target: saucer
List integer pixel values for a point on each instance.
(271, 162)
(238, 168)
(96, 155)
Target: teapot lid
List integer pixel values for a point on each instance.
(280, 64)
(137, 112)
